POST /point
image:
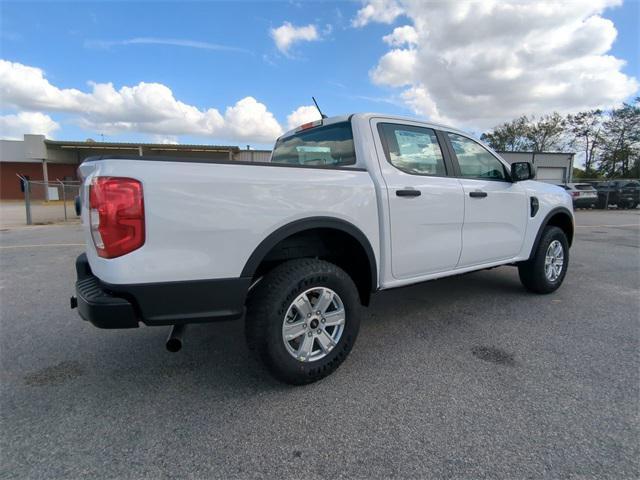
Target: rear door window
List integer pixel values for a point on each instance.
(330, 145)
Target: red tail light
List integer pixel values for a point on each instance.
(117, 215)
(575, 194)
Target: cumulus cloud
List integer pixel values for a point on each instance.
(301, 115)
(12, 127)
(480, 63)
(249, 115)
(400, 36)
(145, 107)
(381, 11)
(287, 34)
(395, 68)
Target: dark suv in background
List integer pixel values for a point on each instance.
(622, 193)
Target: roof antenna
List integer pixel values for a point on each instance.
(322, 115)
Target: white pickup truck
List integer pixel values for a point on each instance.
(347, 206)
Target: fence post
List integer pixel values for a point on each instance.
(27, 198)
(64, 198)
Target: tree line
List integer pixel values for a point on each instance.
(609, 140)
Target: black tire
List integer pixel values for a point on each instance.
(532, 272)
(268, 304)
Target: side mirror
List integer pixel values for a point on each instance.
(522, 171)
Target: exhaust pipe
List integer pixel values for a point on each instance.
(174, 340)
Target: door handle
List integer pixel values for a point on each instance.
(408, 192)
(477, 194)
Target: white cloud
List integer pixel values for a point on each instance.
(165, 139)
(301, 115)
(13, 127)
(395, 68)
(249, 115)
(287, 34)
(400, 36)
(480, 63)
(381, 11)
(145, 107)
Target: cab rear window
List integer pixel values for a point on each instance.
(584, 186)
(330, 145)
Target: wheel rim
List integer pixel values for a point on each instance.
(554, 261)
(313, 324)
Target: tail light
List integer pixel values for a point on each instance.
(575, 194)
(116, 215)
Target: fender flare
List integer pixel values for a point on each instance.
(545, 222)
(297, 226)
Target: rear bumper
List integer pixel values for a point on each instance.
(168, 303)
(585, 202)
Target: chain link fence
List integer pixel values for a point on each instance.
(50, 202)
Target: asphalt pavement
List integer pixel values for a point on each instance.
(465, 377)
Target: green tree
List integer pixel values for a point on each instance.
(546, 133)
(509, 137)
(585, 133)
(621, 147)
(537, 134)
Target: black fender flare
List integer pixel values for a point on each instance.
(545, 222)
(297, 226)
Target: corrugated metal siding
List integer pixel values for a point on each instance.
(553, 160)
(253, 155)
(542, 160)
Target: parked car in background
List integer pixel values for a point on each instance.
(584, 195)
(622, 193)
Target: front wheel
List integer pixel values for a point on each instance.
(546, 269)
(303, 319)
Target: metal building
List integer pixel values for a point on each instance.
(551, 167)
(40, 159)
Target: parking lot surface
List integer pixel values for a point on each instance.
(465, 377)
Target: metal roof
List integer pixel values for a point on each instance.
(135, 146)
(537, 153)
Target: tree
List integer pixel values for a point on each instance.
(621, 146)
(509, 137)
(585, 132)
(528, 134)
(546, 133)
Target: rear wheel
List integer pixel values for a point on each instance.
(544, 272)
(303, 319)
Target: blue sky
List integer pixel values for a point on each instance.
(81, 42)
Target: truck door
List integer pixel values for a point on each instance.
(426, 206)
(495, 213)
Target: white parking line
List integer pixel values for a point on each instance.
(6, 247)
(609, 226)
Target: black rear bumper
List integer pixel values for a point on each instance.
(169, 303)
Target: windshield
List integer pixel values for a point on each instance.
(324, 146)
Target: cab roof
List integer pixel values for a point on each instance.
(370, 115)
